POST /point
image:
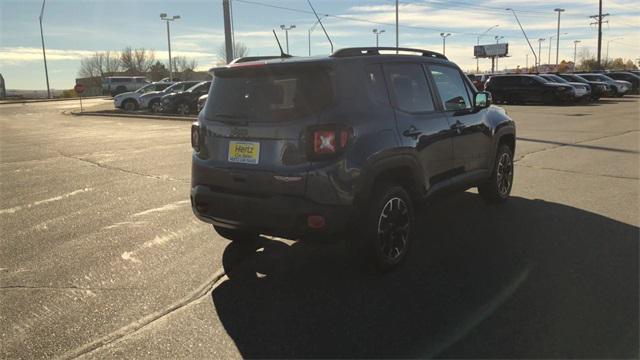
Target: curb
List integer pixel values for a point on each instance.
(134, 116)
(3, 102)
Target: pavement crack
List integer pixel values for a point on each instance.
(64, 288)
(579, 172)
(572, 144)
(114, 168)
(135, 326)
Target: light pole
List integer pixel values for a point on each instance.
(164, 17)
(524, 33)
(44, 55)
(559, 10)
(540, 40)
(551, 38)
(498, 38)
(526, 62)
(575, 52)
(607, 57)
(378, 32)
(311, 30)
(444, 42)
(286, 33)
(478, 43)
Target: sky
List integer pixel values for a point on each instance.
(77, 28)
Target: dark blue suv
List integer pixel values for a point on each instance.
(303, 147)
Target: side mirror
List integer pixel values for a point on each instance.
(483, 100)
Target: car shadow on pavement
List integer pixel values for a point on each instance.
(527, 279)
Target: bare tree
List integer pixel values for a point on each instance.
(182, 64)
(239, 50)
(137, 61)
(99, 64)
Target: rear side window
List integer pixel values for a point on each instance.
(375, 84)
(409, 85)
(269, 94)
(451, 88)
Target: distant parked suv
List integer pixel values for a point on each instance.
(115, 85)
(130, 101)
(185, 102)
(619, 87)
(151, 100)
(523, 88)
(627, 76)
(306, 148)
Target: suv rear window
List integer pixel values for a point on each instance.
(269, 94)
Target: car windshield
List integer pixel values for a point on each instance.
(576, 78)
(268, 94)
(195, 87)
(540, 79)
(556, 78)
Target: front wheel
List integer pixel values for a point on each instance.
(387, 226)
(130, 105)
(497, 188)
(155, 106)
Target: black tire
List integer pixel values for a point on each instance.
(183, 108)
(155, 106)
(130, 105)
(386, 227)
(236, 235)
(497, 188)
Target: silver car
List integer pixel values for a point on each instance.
(130, 101)
(151, 100)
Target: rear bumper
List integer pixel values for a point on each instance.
(278, 215)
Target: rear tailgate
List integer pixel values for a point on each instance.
(254, 124)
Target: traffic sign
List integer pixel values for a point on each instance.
(79, 88)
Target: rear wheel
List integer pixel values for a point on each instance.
(130, 105)
(386, 226)
(235, 234)
(497, 188)
(183, 109)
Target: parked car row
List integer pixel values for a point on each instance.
(176, 98)
(556, 89)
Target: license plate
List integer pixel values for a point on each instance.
(244, 152)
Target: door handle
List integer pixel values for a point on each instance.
(458, 126)
(412, 131)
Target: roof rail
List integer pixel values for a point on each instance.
(359, 51)
(253, 58)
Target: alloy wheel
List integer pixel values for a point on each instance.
(504, 174)
(394, 229)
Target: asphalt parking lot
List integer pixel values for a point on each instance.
(101, 256)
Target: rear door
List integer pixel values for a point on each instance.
(472, 136)
(421, 124)
(255, 122)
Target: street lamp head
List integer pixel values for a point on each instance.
(558, 9)
(282, 27)
(375, 31)
(542, 39)
(176, 17)
(293, 27)
(381, 31)
(163, 15)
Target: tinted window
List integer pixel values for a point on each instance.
(451, 88)
(269, 94)
(376, 85)
(409, 85)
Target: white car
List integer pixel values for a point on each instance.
(130, 101)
